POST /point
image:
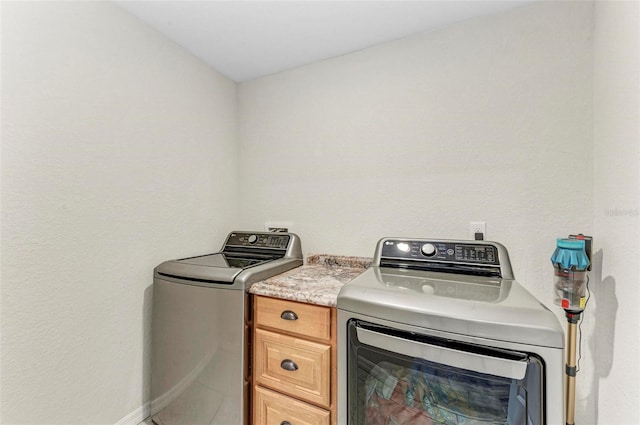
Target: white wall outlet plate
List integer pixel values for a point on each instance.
(477, 228)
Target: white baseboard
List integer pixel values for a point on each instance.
(137, 416)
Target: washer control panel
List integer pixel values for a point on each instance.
(258, 240)
(441, 251)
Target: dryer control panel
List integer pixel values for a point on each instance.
(464, 257)
(441, 251)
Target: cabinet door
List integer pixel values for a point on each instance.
(271, 408)
(293, 366)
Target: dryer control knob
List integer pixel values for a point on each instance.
(253, 239)
(429, 249)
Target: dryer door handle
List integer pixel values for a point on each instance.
(481, 363)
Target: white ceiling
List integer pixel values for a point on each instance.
(244, 40)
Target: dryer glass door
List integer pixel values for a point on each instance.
(404, 378)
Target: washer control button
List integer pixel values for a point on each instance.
(253, 239)
(429, 249)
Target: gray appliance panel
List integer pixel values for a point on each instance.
(198, 348)
(498, 309)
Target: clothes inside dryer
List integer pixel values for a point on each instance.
(391, 385)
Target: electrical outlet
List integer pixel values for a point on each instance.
(277, 226)
(478, 230)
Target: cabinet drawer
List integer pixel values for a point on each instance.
(271, 408)
(293, 366)
(306, 320)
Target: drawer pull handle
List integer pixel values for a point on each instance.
(289, 315)
(285, 423)
(289, 365)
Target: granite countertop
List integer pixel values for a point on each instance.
(318, 281)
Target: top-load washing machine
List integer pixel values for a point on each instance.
(440, 332)
(200, 328)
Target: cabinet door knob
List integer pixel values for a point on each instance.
(285, 423)
(289, 365)
(289, 315)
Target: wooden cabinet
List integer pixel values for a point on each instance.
(294, 363)
(273, 408)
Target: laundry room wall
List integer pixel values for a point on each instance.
(118, 152)
(486, 120)
(615, 342)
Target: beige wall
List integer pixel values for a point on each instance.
(615, 346)
(487, 120)
(118, 152)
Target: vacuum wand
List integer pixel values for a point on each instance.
(570, 369)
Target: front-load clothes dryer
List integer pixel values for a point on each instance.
(439, 331)
(200, 328)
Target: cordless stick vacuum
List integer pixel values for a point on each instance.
(571, 265)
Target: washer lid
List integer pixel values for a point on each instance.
(485, 307)
(224, 260)
(218, 268)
